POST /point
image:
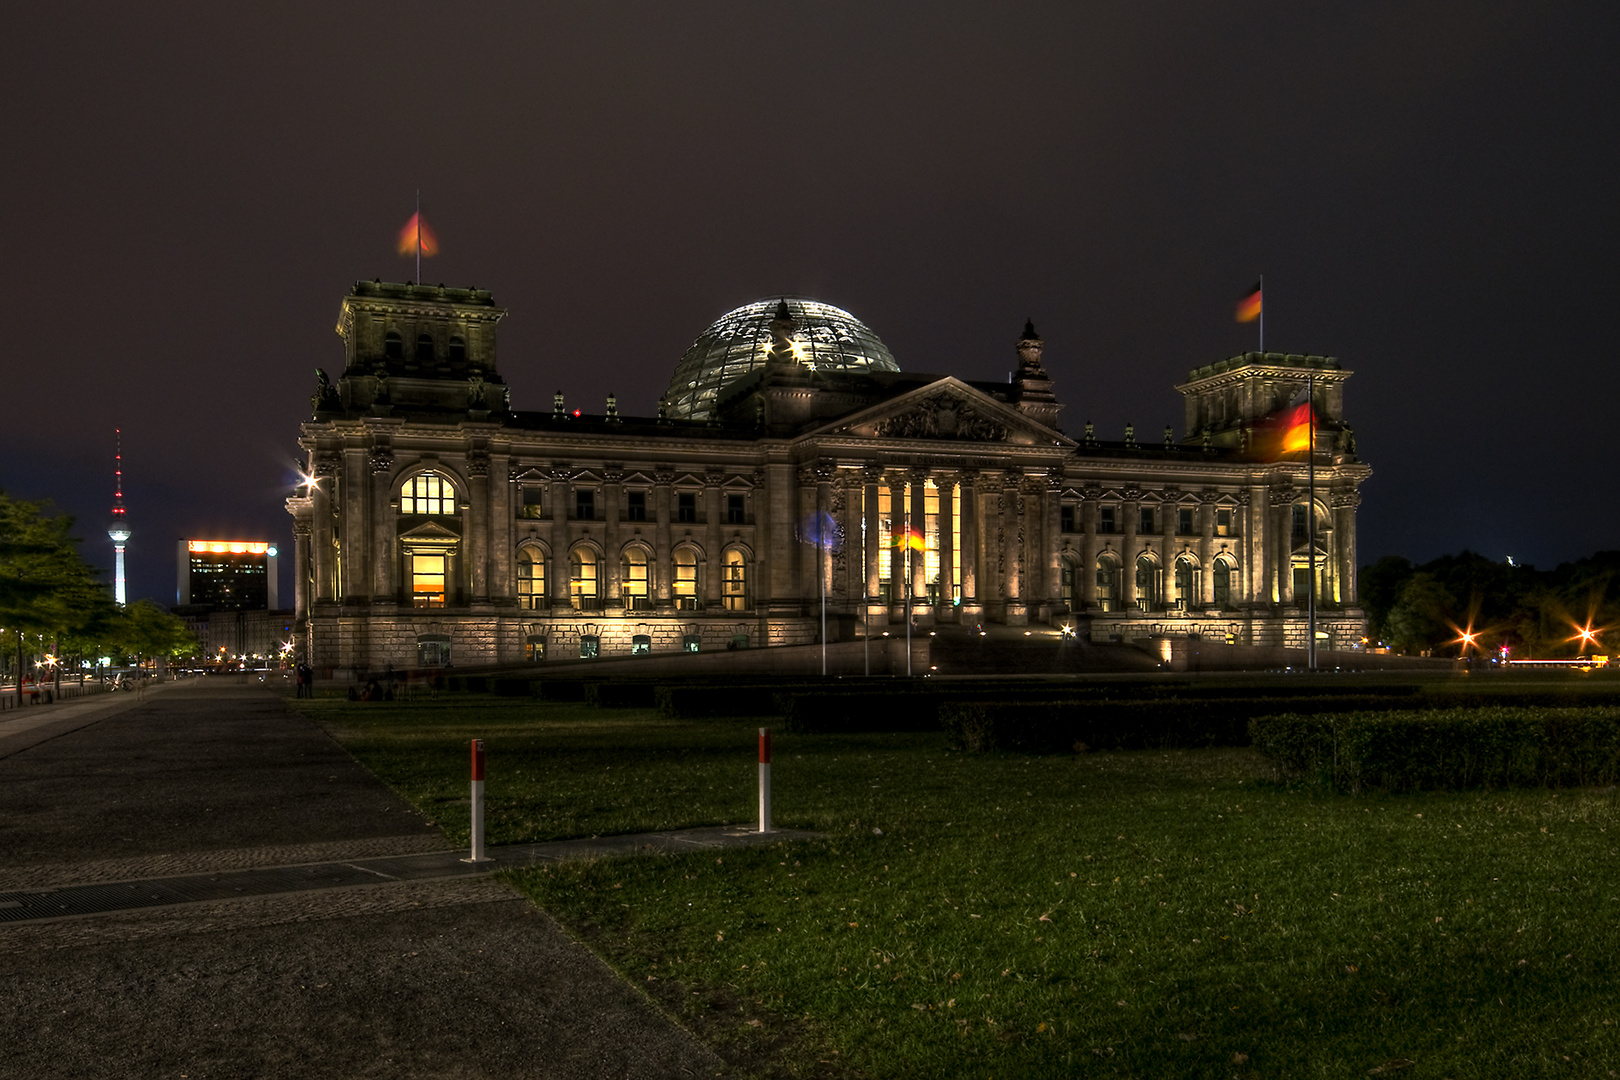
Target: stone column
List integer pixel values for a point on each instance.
(502, 527)
(806, 503)
(1131, 510)
(1012, 546)
(946, 482)
(663, 559)
(356, 573)
(1051, 542)
(612, 575)
(324, 553)
(1282, 517)
(714, 540)
(871, 548)
(1257, 543)
(557, 577)
(301, 569)
(780, 586)
(918, 479)
(972, 548)
(1206, 547)
(819, 552)
(1345, 509)
(478, 525)
(1169, 522)
(384, 527)
(1089, 549)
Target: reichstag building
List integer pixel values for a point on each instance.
(793, 461)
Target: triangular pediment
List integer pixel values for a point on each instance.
(430, 531)
(946, 410)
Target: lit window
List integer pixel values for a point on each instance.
(1147, 579)
(1184, 581)
(641, 645)
(533, 506)
(427, 580)
(686, 579)
(691, 643)
(534, 649)
(634, 569)
(582, 579)
(589, 646)
(1223, 523)
(734, 591)
(428, 493)
(531, 579)
(1108, 582)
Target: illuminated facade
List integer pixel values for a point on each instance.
(226, 575)
(440, 525)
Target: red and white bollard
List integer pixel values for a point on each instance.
(478, 855)
(764, 780)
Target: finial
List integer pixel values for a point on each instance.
(558, 409)
(1169, 437)
(782, 309)
(1130, 435)
(1029, 330)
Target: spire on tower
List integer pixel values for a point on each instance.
(118, 530)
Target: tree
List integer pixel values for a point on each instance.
(47, 591)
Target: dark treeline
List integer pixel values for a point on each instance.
(1535, 613)
(55, 610)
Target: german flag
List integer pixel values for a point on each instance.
(1296, 429)
(416, 230)
(1248, 307)
(909, 538)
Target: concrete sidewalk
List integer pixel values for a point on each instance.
(436, 969)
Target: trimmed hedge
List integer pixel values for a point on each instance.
(622, 695)
(1058, 726)
(1445, 748)
(715, 700)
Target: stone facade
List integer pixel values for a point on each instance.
(440, 525)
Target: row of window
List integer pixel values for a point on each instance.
(1108, 520)
(635, 580)
(686, 510)
(394, 348)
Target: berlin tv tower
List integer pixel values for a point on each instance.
(118, 531)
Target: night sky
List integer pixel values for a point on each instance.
(1429, 189)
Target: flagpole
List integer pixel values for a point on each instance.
(821, 584)
(1262, 302)
(418, 223)
(1310, 515)
(907, 585)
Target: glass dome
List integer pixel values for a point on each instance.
(826, 339)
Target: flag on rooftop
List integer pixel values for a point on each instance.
(416, 231)
(1248, 308)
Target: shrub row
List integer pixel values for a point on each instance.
(1444, 748)
(1059, 726)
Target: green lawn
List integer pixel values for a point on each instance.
(1128, 914)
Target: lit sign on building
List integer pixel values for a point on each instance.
(227, 575)
(219, 547)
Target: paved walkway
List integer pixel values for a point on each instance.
(268, 907)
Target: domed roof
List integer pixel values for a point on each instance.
(825, 338)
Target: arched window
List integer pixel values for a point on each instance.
(458, 351)
(582, 579)
(1147, 582)
(635, 580)
(1108, 582)
(1223, 583)
(1071, 596)
(686, 579)
(424, 348)
(531, 579)
(393, 346)
(734, 582)
(1186, 581)
(428, 493)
